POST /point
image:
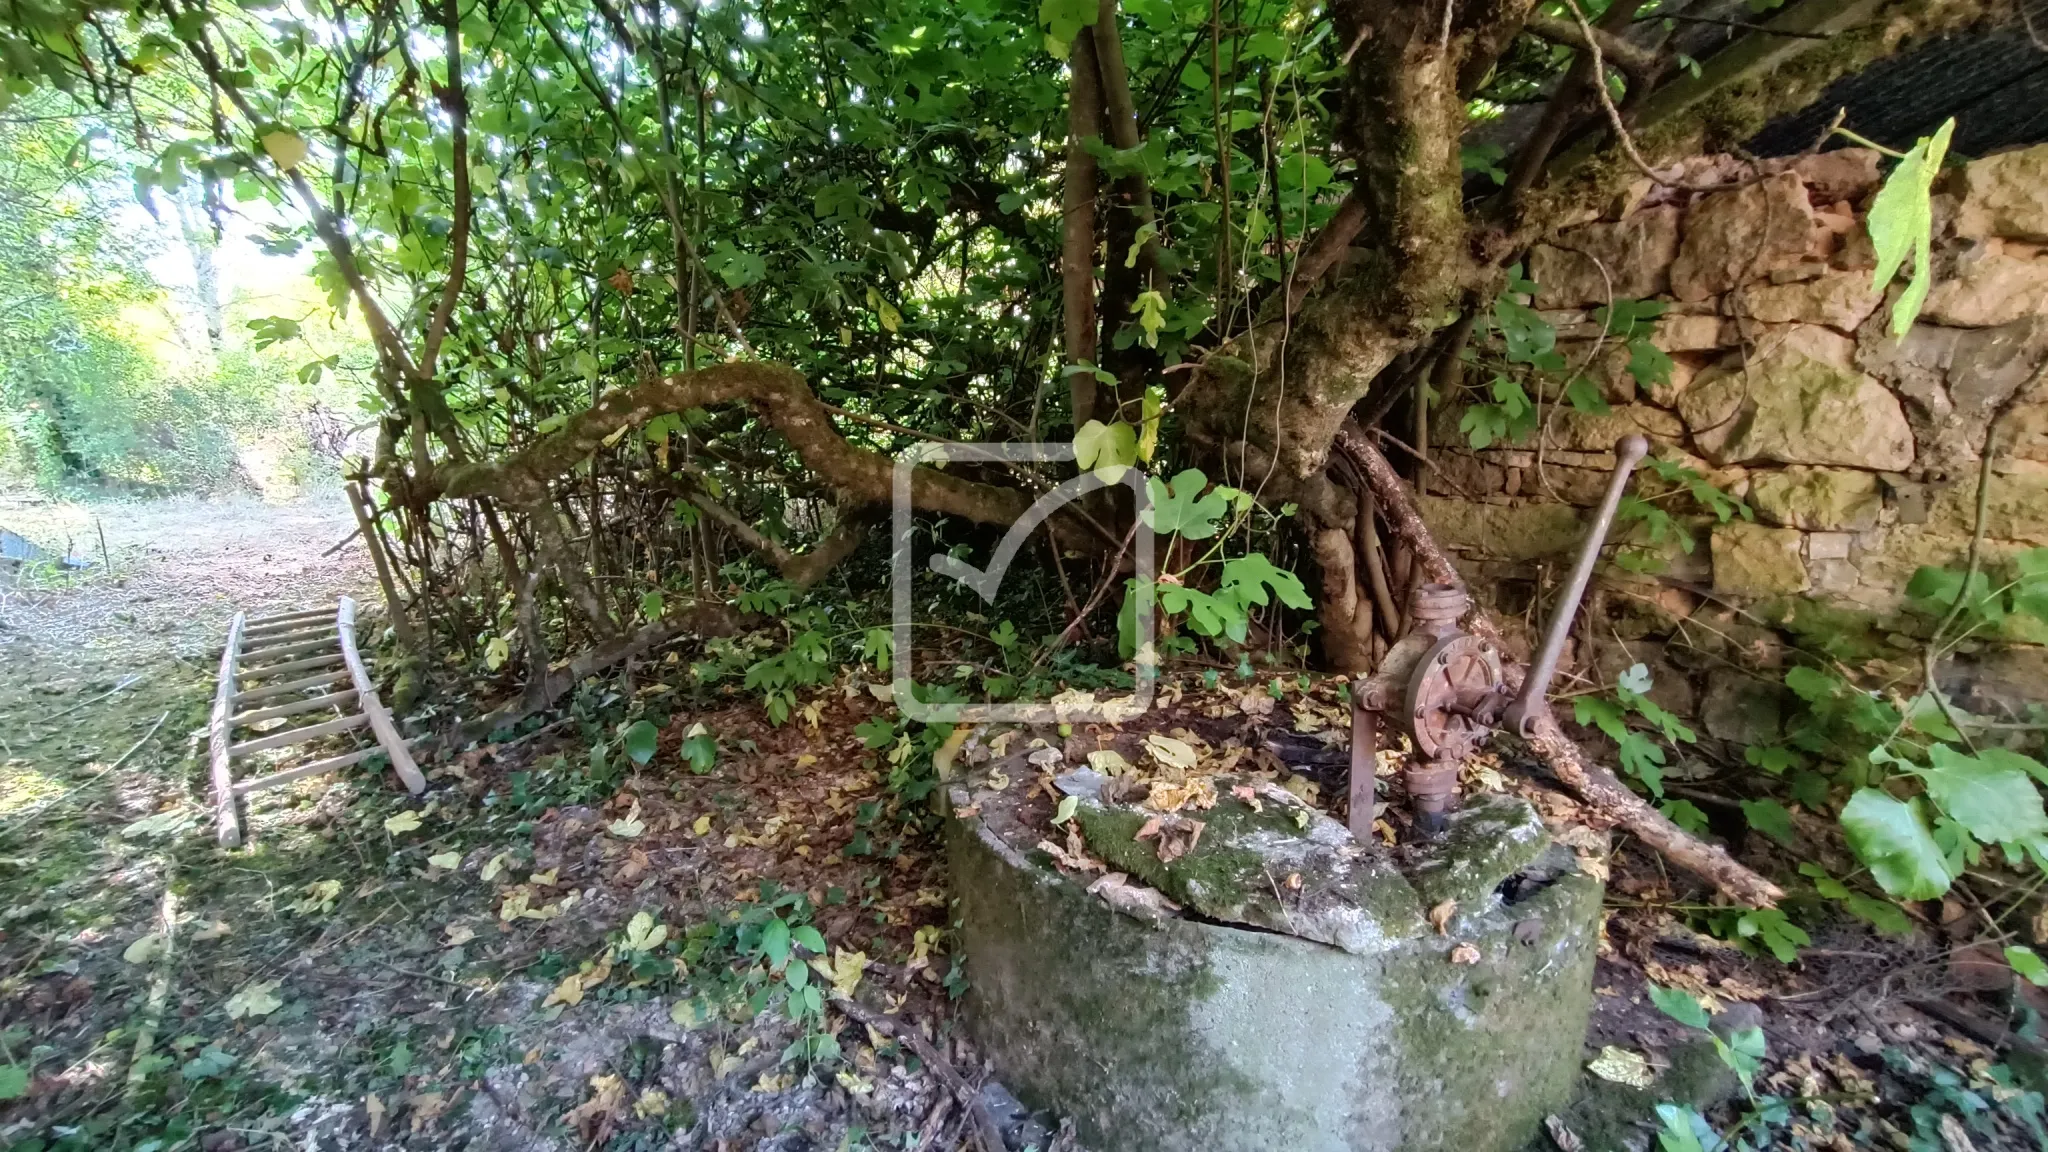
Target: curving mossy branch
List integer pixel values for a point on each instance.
(777, 393)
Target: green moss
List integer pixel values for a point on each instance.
(1488, 840)
(1215, 876)
(1844, 633)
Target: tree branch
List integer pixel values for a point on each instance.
(456, 101)
(777, 394)
(1077, 204)
(1640, 64)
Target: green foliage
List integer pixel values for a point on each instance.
(1901, 221)
(1646, 519)
(1529, 354)
(1641, 755)
(1244, 583)
(1891, 837)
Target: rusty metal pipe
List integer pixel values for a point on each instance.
(1628, 452)
(1364, 764)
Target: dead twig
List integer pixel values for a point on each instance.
(986, 1133)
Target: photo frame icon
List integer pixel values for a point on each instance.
(1069, 707)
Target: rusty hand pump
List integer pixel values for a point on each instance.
(1451, 687)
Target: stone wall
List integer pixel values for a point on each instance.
(1856, 452)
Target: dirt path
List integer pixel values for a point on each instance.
(376, 971)
(180, 568)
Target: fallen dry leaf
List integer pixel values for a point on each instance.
(1621, 1066)
(1440, 918)
(1464, 954)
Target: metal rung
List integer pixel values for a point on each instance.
(322, 680)
(293, 666)
(285, 650)
(291, 736)
(282, 617)
(316, 768)
(331, 700)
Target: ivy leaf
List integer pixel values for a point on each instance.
(1997, 803)
(258, 999)
(1635, 680)
(1680, 1005)
(1151, 309)
(13, 1081)
(1062, 19)
(700, 748)
(1180, 508)
(1902, 219)
(640, 741)
(1882, 915)
(1770, 818)
(775, 942)
(644, 933)
(1246, 578)
(2028, 963)
(1682, 1129)
(1106, 449)
(1890, 836)
(286, 147)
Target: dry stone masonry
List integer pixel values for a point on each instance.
(1857, 452)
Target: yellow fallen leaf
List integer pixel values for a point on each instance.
(447, 860)
(145, 949)
(496, 865)
(1110, 762)
(403, 822)
(569, 991)
(543, 878)
(1440, 917)
(1170, 752)
(1621, 1066)
(459, 934)
(630, 826)
(843, 970)
(375, 1107)
(702, 825)
(516, 903)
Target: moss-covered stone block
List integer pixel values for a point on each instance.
(1818, 499)
(1191, 1033)
(1487, 840)
(1752, 560)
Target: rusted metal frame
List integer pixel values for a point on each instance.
(312, 704)
(1520, 715)
(229, 830)
(315, 768)
(1591, 783)
(290, 736)
(320, 680)
(373, 708)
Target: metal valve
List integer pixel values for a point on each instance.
(1451, 687)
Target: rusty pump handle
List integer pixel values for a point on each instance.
(1521, 715)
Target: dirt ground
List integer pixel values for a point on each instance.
(491, 966)
(351, 980)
